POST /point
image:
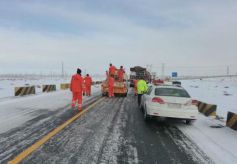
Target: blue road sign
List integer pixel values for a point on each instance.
(174, 74)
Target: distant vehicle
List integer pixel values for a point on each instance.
(137, 73)
(157, 81)
(176, 83)
(169, 101)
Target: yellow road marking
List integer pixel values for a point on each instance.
(39, 143)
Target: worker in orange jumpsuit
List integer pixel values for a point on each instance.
(76, 88)
(84, 88)
(135, 86)
(88, 82)
(121, 73)
(112, 69)
(111, 86)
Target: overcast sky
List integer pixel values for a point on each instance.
(189, 36)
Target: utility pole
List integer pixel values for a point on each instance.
(62, 70)
(149, 67)
(163, 70)
(228, 71)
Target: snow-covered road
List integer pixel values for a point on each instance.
(16, 111)
(112, 132)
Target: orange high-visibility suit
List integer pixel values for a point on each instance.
(121, 74)
(88, 82)
(111, 87)
(135, 86)
(84, 88)
(112, 70)
(76, 87)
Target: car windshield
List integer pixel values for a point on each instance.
(171, 92)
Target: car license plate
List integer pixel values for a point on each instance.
(170, 105)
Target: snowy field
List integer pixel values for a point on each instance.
(218, 143)
(7, 85)
(219, 91)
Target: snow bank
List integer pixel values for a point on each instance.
(218, 143)
(7, 86)
(219, 91)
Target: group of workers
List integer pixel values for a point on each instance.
(111, 77)
(140, 86)
(80, 86)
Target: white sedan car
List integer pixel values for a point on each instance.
(169, 101)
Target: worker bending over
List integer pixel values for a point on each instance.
(76, 88)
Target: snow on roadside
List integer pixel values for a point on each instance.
(219, 91)
(216, 140)
(7, 85)
(218, 143)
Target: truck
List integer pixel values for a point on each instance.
(120, 88)
(137, 73)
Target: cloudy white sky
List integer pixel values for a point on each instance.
(189, 36)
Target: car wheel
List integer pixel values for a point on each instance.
(188, 122)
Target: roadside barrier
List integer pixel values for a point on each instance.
(22, 91)
(65, 86)
(231, 121)
(98, 82)
(49, 88)
(207, 109)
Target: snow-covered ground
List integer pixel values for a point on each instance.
(219, 91)
(7, 85)
(16, 111)
(218, 143)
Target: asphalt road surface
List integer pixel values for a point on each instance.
(111, 132)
